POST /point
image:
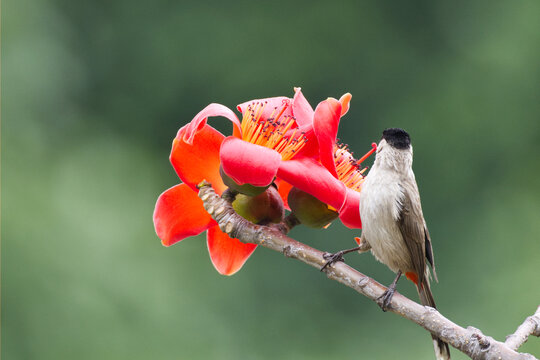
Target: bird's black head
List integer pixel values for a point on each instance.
(397, 138)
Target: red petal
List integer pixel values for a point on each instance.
(271, 105)
(325, 126)
(179, 213)
(283, 189)
(227, 255)
(302, 111)
(349, 214)
(311, 148)
(199, 160)
(311, 177)
(345, 100)
(190, 130)
(248, 163)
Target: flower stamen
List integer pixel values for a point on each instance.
(348, 168)
(273, 131)
(373, 149)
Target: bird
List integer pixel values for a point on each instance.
(393, 224)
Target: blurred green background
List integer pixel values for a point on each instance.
(94, 92)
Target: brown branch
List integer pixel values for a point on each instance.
(470, 341)
(531, 326)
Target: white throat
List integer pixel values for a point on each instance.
(390, 158)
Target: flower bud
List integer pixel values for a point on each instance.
(261, 209)
(246, 189)
(309, 210)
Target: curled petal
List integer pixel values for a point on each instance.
(198, 160)
(310, 176)
(349, 214)
(248, 163)
(272, 106)
(179, 213)
(228, 255)
(302, 110)
(345, 100)
(199, 121)
(325, 126)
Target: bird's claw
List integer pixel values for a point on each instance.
(385, 299)
(332, 258)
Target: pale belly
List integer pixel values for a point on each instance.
(379, 211)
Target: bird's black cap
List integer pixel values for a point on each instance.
(397, 138)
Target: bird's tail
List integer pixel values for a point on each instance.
(442, 352)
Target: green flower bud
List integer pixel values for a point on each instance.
(261, 209)
(309, 210)
(246, 189)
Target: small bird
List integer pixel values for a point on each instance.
(393, 224)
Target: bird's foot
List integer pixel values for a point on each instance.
(331, 259)
(385, 299)
(335, 257)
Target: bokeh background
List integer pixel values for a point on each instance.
(94, 92)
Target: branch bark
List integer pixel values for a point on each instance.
(531, 326)
(468, 340)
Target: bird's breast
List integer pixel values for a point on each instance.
(380, 206)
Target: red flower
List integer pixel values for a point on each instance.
(335, 180)
(272, 131)
(179, 213)
(279, 139)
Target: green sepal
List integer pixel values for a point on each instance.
(246, 189)
(264, 208)
(309, 210)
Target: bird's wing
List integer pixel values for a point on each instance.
(412, 227)
(429, 252)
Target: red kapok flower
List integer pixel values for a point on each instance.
(270, 133)
(179, 213)
(272, 130)
(337, 179)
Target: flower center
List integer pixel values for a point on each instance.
(349, 169)
(278, 132)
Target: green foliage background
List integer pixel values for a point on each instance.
(94, 92)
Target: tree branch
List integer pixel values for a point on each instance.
(531, 326)
(470, 341)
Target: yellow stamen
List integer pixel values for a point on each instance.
(347, 168)
(272, 132)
